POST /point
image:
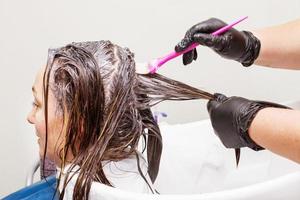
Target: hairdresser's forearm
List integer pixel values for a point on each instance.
(278, 130)
(280, 46)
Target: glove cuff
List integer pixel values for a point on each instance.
(245, 121)
(252, 49)
(247, 117)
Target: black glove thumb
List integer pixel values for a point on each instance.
(214, 103)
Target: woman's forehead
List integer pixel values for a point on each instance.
(38, 83)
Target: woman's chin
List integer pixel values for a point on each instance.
(41, 153)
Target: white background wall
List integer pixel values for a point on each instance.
(150, 29)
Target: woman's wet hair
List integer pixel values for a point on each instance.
(105, 106)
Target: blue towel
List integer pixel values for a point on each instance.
(40, 190)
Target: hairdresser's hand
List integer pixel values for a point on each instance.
(231, 118)
(241, 46)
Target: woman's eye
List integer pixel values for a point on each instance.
(35, 105)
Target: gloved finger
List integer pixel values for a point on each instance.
(188, 57)
(215, 42)
(195, 54)
(221, 98)
(214, 103)
(207, 26)
(183, 44)
(211, 105)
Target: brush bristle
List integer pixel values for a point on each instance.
(153, 66)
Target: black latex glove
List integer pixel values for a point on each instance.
(241, 46)
(231, 118)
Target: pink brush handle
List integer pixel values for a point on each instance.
(174, 54)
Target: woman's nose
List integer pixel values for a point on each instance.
(30, 118)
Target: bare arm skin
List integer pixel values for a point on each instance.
(280, 46)
(278, 130)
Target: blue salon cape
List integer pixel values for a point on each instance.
(40, 190)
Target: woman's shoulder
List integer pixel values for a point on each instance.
(130, 170)
(130, 174)
(45, 189)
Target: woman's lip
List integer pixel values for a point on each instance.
(37, 134)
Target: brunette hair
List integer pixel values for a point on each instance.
(106, 105)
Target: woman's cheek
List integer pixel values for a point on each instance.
(55, 136)
(40, 125)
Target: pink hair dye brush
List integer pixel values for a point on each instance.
(154, 65)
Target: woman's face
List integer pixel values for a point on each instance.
(55, 120)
